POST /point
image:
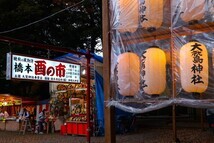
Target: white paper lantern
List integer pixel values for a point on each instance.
(151, 14)
(128, 74)
(192, 10)
(126, 15)
(194, 67)
(153, 71)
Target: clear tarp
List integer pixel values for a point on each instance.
(173, 41)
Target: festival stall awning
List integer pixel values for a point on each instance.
(9, 100)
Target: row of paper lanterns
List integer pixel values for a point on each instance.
(129, 14)
(148, 72)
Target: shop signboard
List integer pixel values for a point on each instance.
(30, 68)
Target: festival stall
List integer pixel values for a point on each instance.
(69, 105)
(10, 107)
(51, 71)
(68, 101)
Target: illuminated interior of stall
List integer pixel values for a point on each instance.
(10, 103)
(29, 104)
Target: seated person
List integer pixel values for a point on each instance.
(24, 115)
(6, 115)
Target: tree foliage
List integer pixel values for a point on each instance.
(76, 27)
(52, 22)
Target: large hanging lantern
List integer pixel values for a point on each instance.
(153, 71)
(194, 67)
(151, 14)
(192, 10)
(126, 15)
(128, 74)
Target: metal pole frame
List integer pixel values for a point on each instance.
(88, 96)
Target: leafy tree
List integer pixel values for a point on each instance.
(75, 27)
(53, 22)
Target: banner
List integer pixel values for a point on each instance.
(30, 68)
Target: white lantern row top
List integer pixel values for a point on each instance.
(151, 16)
(129, 15)
(192, 10)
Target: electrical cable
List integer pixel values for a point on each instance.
(21, 27)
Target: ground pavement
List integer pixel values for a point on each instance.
(148, 135)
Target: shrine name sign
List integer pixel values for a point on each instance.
(30, 68)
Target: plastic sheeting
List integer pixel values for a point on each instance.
(99, 101)
(182, 21)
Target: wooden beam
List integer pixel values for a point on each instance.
(39, 45)
(109, 112)
(142, 36)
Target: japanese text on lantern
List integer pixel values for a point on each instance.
(142, 12)
(197, 63)
(143, 72)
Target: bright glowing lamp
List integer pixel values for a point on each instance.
(128, 74)
(192, 10)
(151, 14)
(126, 15)
(194, 67)
(153, 71)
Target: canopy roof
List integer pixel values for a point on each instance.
(8, 97)
(74, 58)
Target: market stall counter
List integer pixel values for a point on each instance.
(9, 124)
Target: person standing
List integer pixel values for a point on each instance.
(25, 114)
(42, 121)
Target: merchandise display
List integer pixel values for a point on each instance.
(70, 102)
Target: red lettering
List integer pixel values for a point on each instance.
(60, 70)
(40, 67)
(50, 71)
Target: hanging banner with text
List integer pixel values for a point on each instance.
(30, 68)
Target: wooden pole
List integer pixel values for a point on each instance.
(202, 114)
(173, 67)
(174, 123)
(88, 57)
(109, 112)
(202, 119)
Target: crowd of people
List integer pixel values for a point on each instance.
(24, 114)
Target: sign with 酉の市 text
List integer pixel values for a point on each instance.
(30, 68)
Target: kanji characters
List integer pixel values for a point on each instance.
(197, 66)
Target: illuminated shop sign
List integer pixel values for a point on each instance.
(30, 68)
